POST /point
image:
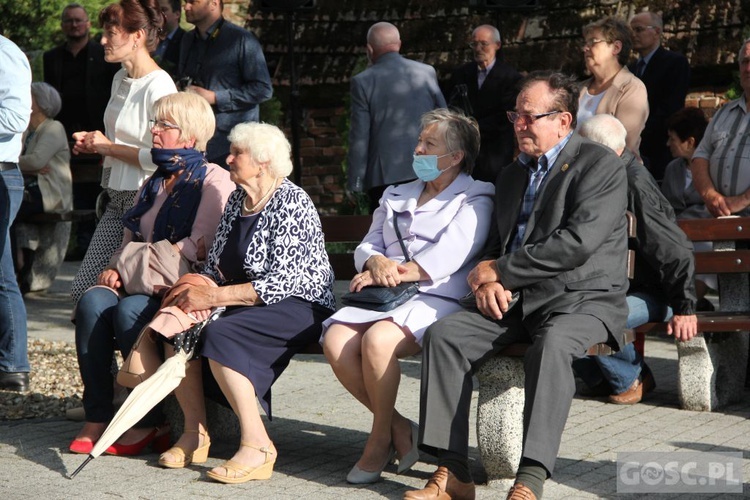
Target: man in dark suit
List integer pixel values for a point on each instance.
(486, 89)
(388, 100)
(167, 53)
(666, 75)
(559, 247)
(224, 64)
(78, 71)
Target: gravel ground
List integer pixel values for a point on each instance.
(55, 383)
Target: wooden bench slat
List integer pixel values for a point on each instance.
(713, 321)
(735, 261)
(345, 228)
(343, 265)
(729, 229)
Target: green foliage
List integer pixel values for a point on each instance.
(361, 200)
(35, 24)
(270, 111)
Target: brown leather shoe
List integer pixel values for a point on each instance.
(443, 485)
(635, 393)
(520, 491)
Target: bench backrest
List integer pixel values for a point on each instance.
(353, 229)
(344, 229)
(725, 229)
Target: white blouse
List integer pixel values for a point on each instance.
(587, 106)
(126, 121)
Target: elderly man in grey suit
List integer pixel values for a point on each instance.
(559, 250)
(387, 101)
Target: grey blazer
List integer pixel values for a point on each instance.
(387, 100)
(574, 253)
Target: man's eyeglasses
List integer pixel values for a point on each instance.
(75, 21)
(641, 29)
(482, 44)
(592, 41)
(160, 125)
(527, 118)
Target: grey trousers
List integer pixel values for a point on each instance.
(458, 344)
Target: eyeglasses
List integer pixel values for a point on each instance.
(527, 118)
(587, 44)
(75, 21)
(641, 29)
(161, 125)
(483, 44)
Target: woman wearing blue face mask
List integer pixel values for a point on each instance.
(443, 218)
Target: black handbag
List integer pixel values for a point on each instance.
(383, 298)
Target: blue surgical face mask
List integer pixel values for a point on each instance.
(426, 166)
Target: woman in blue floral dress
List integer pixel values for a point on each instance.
(274, 277)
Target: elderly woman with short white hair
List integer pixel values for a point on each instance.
(276, 282)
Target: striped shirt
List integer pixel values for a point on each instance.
(726, 146)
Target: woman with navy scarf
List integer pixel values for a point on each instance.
(181, 203)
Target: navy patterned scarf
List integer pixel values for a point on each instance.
(175, 218)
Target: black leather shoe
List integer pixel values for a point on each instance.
(14, 381)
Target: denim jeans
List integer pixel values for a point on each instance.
(104, 322)
(624, 367)
(13, 349)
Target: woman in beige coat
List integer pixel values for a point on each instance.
(45, 165)
(612, 89)
(46, 156)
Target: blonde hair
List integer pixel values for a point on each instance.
(264, 143)
(191, 113)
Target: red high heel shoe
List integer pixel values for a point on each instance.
(157, 438)
(81, 446)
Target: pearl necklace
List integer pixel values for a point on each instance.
(260, 202)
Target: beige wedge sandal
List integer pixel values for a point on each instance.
(184, 458)
(237, 473)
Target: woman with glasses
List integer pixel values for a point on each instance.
(132, 29)
(612, 88)
(177, 210)
(444, 218)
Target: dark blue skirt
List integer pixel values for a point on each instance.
(259, 341)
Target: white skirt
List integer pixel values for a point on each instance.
(413, 316)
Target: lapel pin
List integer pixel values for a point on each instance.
(564, 167)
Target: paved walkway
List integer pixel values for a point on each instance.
(320, 430)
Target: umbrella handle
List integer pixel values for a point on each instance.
(80, 467)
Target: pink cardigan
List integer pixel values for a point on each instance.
(627, 100)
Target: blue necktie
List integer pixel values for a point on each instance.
(640, 67)
(481, 76)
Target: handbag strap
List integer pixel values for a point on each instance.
(400, 239)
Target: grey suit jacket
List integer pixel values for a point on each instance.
(387, 100)
(574, 253)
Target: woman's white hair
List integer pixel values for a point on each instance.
(264, 143)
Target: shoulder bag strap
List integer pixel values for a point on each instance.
(400, 239)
